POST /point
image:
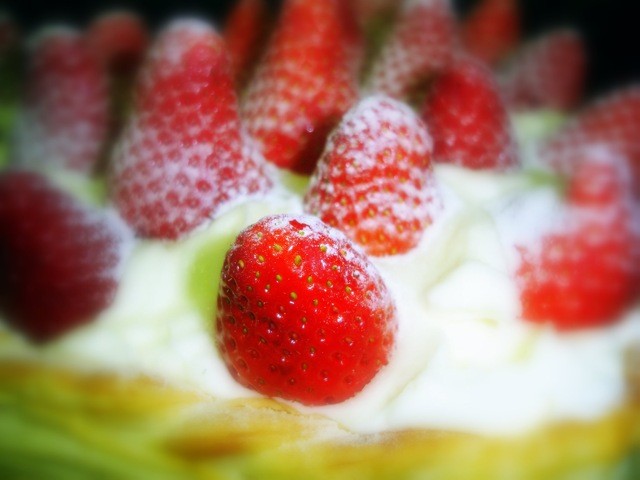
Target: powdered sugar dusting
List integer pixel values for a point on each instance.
(375, 180)
(420, 46)
(65, 117)
(182, 155)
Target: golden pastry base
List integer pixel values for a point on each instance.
(55, 424)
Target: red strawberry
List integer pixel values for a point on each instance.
(492, 30)
(305, 82)
(583, 273)
(612, 120)
(65, 117)
(181, 158)
(302, 313)
(119, 39)
(375, 180)
(245, 32)
(549, 73)
(420, 46)
(59, 260)
(468, 120)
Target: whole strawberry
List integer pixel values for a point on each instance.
(583, 272)
(120, 39)
(60, 261)
(467, 118)
(65, 117)
(549, 72)
(245, 33)
(492, 30)
(375, 180)
(612, 120)
(306, 81)
(181, 156)
(302, 314)
(420, 46)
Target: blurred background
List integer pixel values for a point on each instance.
(609, 26)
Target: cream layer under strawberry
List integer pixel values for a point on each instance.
(463, 359)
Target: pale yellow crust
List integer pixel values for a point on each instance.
(60, 424)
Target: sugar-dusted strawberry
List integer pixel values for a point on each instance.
(302, 313)
(467, 118)
(549, 72)
(375, 180)
(421, 45)
(65, 117)
(120, 39)
(245, 33)
(613, 120)
(60, 260)
(180, 158)
(305, 82)
(583, 272)
(492, 30)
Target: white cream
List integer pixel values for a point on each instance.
(463, 359)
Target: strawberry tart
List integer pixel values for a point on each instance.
(384, 243)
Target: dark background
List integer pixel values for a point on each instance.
(609, 26)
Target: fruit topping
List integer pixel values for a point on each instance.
(65, 118)
(375, 179)
(583, 271)
(60, 260)
(181, 156)
(245, 33)
(468, 120)
(612, 120)
(421, 45)
(302, 313)
(550, 72)
(120, 40)
(305, 82)
(492, 30)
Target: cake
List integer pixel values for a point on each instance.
(391, 292)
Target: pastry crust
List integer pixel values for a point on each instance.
(55, 423)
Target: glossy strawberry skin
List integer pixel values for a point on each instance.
(583, 274)
(550, 72)
(302, 314)
(59, 260)
(305, 82)
(492, 30)
(467, 119)
(182, 157)
(65, 118)
(375, 179)
(612, 120)
(420, 46)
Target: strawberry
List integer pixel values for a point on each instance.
(468, 120)
(306, 81)
(583, 272)
(59, 260)
(420, 46)
(548, 73)
(65, 117)
(245, 32)
(120, 39)
(302, 313)
(181, 157)
(492, 30)
(374, 181)
(612, 120)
